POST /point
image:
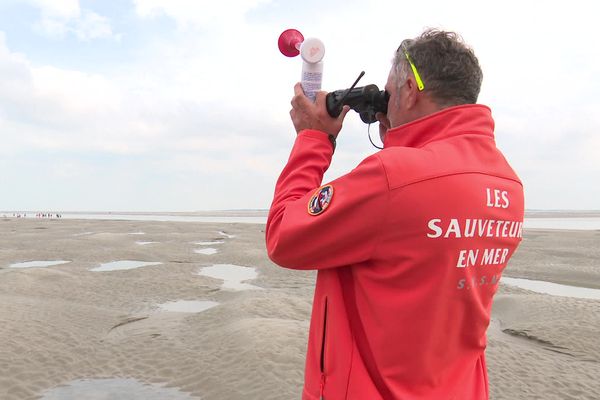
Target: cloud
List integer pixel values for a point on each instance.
(84, 135)
(60, 18)
(64, 9)
(46, 108)
(49, 107)
(204, 107)
(196, 14)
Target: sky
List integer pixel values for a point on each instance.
(183, 105)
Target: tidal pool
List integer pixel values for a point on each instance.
(37, 264)
(552, 288)
(188, 306)
(122, 265)
(144, 243)
(232, 275)
(210, 242)
(227, 235)
(113, 389)
(208, 251)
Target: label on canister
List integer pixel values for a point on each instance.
(312, 76)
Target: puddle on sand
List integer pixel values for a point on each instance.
(37, 264)
(122, 265)
(144, 243)
(232, 275)
(188, 306)
(136, 233)
(208, 251)
(113, 389)
(552, 288)
(83, 234)
(227, 235)
(210, 243)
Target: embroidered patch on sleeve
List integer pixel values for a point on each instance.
(319, 202)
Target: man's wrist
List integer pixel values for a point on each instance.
(332, 140)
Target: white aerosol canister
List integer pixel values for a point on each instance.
(312, 52)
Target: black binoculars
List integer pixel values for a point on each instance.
(366, 101)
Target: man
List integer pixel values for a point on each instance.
(411, 244)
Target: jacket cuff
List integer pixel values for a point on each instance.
(320, 135)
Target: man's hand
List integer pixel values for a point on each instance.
(308, 115)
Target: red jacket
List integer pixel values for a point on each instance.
(410, 246)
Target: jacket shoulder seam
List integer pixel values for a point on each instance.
(442, 175)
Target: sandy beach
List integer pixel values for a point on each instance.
(169, 329)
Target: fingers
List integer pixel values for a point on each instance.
(298, 89)
(299, 100)
(384, 125)
(383, 120)
(308, 115)
(320, 98)
(345, 110)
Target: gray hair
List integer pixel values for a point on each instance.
(448, 67)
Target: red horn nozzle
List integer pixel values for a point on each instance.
(288, 42)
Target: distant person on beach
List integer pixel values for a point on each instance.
(411, 244)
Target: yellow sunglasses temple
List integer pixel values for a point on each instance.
(415, 72)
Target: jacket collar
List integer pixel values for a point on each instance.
(452, 121)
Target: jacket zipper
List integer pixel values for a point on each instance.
(323, 351)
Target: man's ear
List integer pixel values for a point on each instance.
(411, 93)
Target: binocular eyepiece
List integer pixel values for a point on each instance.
(365, 100)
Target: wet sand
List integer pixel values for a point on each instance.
(542, 346)
(65, 323)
